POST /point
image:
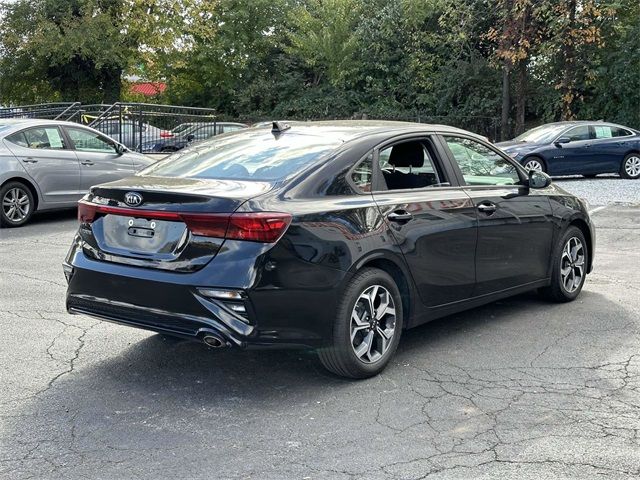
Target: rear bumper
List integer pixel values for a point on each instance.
(171, 303)
(157, 320)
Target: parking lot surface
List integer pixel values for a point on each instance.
(517, 389)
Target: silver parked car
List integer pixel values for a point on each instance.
(47, 164)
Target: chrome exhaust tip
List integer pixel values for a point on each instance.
(214, 341)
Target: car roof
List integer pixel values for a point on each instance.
(346, 130)
(570, 123)
(17, 123)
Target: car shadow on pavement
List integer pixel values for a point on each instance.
(516, 328)
(43, 218)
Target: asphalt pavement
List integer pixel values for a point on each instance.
(517, 389)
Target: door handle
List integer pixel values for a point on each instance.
(29, 160)
(399, 216)
(487, 207)
(87, 162)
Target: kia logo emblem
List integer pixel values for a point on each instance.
(132, 199)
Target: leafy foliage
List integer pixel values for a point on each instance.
(462, 62)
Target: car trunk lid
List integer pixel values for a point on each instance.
(175, 224)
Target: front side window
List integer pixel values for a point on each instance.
(86, 141)
(479, 164)
(40, 138)
(409, 165)
(577, 134)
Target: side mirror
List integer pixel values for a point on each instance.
(562, 141)
(538, 179)
(191, 137)
(120, 149)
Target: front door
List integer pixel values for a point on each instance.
(575, 157)
(49, 162)
(432, 221)
(515, 228)
(99, 160)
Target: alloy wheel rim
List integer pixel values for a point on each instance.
(632, 166)
(373, 324)
(572, 264)
(533, 165)
(16, 205)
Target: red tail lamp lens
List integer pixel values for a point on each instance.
(265, 227)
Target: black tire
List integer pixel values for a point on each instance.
(557, 291)
(536, 159)
(169, 150)
(589, 175)
(6, 195)
(632, 157)
(339, 356)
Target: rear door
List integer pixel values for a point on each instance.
(515, 228)
(98, 158)
(432, 220)
(609, 148)
(49, 161)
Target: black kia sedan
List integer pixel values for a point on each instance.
(332, 235)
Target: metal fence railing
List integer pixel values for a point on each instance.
(153, 128)
(144, 127)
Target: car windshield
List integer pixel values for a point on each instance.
(542, 134)
(255, 155)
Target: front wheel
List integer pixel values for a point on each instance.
(569, 267)
(367, 327)
(630, 166)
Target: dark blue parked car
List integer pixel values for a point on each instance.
(578, 148)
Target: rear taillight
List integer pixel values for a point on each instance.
(165, 134)
(265, 227)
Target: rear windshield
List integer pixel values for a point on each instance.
(254, 155)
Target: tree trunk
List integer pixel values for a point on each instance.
(567, 89)
(521, 96)
(506, 105)
(111, 84)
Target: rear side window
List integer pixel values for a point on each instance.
(362, 174)
(408, 165)
(40, 138)
(256, 155)
(606, 131)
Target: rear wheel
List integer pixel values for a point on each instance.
(367, 327)
(569, 267)
(16, 204)
(630, 166)
(534, 163)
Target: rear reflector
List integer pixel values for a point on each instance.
(265, 227)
